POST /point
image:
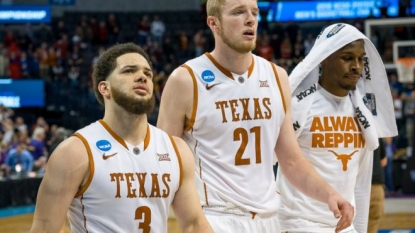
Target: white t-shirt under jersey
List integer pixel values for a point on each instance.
(333, 142)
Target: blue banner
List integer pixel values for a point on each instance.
(16, 14)
(327, 10)
(62, 2)
(22, 93)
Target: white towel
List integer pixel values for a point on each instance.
(372, 97)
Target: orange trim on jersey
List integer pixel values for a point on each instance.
(147, 138)
(206, 196)
(221, 68)
(279, 86)
(204, 184)
(195, 99)
(251, 68)
(83, 213)
(91, 166)
(113, 134)
(179, 158)
(227, 72)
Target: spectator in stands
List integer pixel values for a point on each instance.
(75, 57)
(73, 76)
(58, 136)
(143, 30)
(308, 43)
(184, 46)
(395, 84)
(286, 47)
(298, 53)
(20, 125)
(60, 30)
(42, 55)
(37, 148)
(28, 29)
(44, 34)
(15, 71)
(168, 50)
(62, 47)
(94, 27)
(199, 41)
(23, 40)
(113, 29)
(103, 33)
(4, 150)
(83, 35)
(9, 37)
(19, 160)
(263, 48)
(8, 129)
(157, 29)
(24, 65)
(4, 63)
(292, 30)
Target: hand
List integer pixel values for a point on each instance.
(342, 209)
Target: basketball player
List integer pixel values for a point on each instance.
(120, 174)
(233, 110)
(335, 128)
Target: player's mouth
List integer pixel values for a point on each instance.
(249, 34)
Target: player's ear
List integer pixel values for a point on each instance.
(104, 88)
(212, 22)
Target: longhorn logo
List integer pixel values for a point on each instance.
(344, 158)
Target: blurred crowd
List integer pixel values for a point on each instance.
(64, 52)
(25, 149)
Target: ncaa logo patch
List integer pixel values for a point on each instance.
(335, 30)
(208, 76)
(370, 101)
(103, 145)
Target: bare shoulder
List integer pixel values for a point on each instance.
(283, 78)
(184, 150)
(282, 73)
(180, 75)
(176, 102)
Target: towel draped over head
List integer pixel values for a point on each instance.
(372, 98)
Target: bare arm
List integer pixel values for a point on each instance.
(186, 203)
(66, 168)
(299, 170)
(176, 102)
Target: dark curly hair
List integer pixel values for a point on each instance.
(107, 62)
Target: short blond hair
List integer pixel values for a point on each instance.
(214, 8)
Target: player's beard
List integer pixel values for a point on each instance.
(237, 44)
(132, 105)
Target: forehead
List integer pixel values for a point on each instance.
(232, 4)
(357, 46)
(131, 59)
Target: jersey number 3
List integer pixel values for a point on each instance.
(241, 134)
(144, 213)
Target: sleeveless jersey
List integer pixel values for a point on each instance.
(233, 131)
(333, 142)
(126, 191)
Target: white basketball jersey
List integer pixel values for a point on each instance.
(333, 142)
(233, 131)
(129, 189)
